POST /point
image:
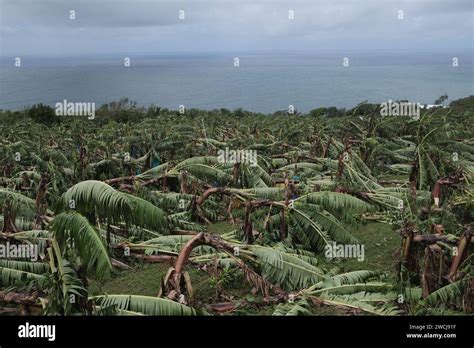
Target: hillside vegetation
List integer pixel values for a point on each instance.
(145, 211)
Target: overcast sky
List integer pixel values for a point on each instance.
(43, 27)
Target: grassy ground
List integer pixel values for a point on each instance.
(144, 280)
(379, 241)
(221, 227)
(401, 177)
(380, 244)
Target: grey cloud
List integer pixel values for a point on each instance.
(34, 27)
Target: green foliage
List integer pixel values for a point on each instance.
(41, 113)
(74, 229)
(143, 304)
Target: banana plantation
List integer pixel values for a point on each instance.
(148, 211)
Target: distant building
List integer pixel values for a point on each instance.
(431, 106)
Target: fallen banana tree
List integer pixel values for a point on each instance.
(436, 250)
(280, 271)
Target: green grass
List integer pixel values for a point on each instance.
(144, 280)
(401, 177)
(222, 227)
(380, 243)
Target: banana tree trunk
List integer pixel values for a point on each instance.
(174, 277)
(248, 224)
(183, 182)
(461, 250)
(283, 225)
(8, 219)
(41, 205)
(164, 186)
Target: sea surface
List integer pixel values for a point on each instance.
(263, 82)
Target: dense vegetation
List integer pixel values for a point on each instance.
(134, 213)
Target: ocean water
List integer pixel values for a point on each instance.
(264, 82)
